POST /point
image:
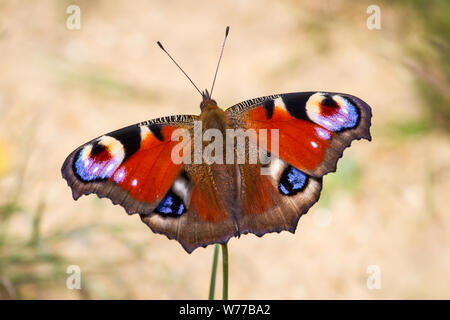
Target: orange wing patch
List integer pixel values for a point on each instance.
(148, 174)
(301, 143)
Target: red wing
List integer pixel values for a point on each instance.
(131, 166)
(314, 128)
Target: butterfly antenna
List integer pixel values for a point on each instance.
(161, 46)
(227, 30)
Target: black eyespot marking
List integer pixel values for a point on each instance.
(268, 108)
(156, 130)
(171, 205)
(329, 102)
(97, 148)
(130, 138)
(292, 181)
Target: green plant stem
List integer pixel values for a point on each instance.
(212, 284)
(225, 271)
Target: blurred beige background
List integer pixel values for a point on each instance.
(387, 205)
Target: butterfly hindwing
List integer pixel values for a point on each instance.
(212, 208)
(274, 202)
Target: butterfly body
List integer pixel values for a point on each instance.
(213, 117)
(216, 192)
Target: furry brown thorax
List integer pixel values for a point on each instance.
(212, 116)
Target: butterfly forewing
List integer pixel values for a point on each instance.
(131, 166)
(314, 128)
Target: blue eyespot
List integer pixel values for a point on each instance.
(292, 181)
(171, 204)
(348, 115)
(334, 113)
(95, 163)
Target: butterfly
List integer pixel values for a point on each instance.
(201, 203)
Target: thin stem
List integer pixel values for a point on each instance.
(225, 271)
(212, 284)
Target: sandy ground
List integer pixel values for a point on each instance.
(60, 88)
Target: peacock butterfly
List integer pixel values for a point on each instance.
(218, 196)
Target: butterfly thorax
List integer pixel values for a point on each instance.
(212, 116)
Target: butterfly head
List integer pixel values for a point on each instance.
(207, 102)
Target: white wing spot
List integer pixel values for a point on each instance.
(278, 102)
(144, 132)
(180, 187)
(276, 166)
(314, 144)
(323, 133)
(134, 183)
